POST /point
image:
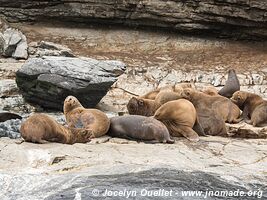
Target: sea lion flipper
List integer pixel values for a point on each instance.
(198, 128)
(189, 133)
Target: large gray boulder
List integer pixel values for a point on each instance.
(47, 81)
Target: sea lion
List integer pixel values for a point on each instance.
(40, 128)
(169, 88)
(253, 106)
(231, 86)
(211, 122)
(210, 90)
(140, 128)
(179, 116)
(4, 116)
(79, 117)
(141, 106)
(221, 105)
(148, 107)
(165, 96)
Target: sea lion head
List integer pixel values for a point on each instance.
(135, 105)
(187, 93)
(140, 106)
(71, 103)
(239, 98)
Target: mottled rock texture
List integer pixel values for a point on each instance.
(47, 81)
(234, 18)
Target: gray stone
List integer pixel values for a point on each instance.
(44, 48)
(15, 44)
(47, 81)
(8, 87)
(10, 128)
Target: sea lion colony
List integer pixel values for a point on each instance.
(175, 110)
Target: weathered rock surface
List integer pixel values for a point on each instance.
(8, 87)
(8, 67)
(47, 81)
(44, 48)
(242, 19)
(245, 130)
(57, 171)
(15, 44)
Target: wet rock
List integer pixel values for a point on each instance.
(44, 48)
(244, 130)
(10, 128)
(47, 81)
(15, 44)
(8, 87)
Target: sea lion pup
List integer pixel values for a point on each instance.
(221, 105)
(170, 88)
(4, 116)
(210, 90)
(231, 86)
(40, 128)
(179, 116)
(140, 128)
(253, 107)
(79, 117)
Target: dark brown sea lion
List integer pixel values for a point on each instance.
(4, 116)
(91, 119)
(169, 88)
(253, 106)
(148, 107)
(179, 116)
(140, 106)
(221, 105)
(140, 128)
(231, 86)
(40, 128)
(211, 122)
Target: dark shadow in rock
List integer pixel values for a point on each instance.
(155, 179)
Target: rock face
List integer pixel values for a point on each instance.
(47, 81)
(58, 171)
(15, 44)
(234, 18)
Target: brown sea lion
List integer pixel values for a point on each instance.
(169, 88)
(4, 116)
(40, 128)
(140, 106)
(231, 86)
(211, 122)
(221, 105)
(148, 107)
(140, 128)
(179, 116)
(165, 96)
(253, 106)
(79, 117)
(210, 90)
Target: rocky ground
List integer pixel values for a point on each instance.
(57, 171)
